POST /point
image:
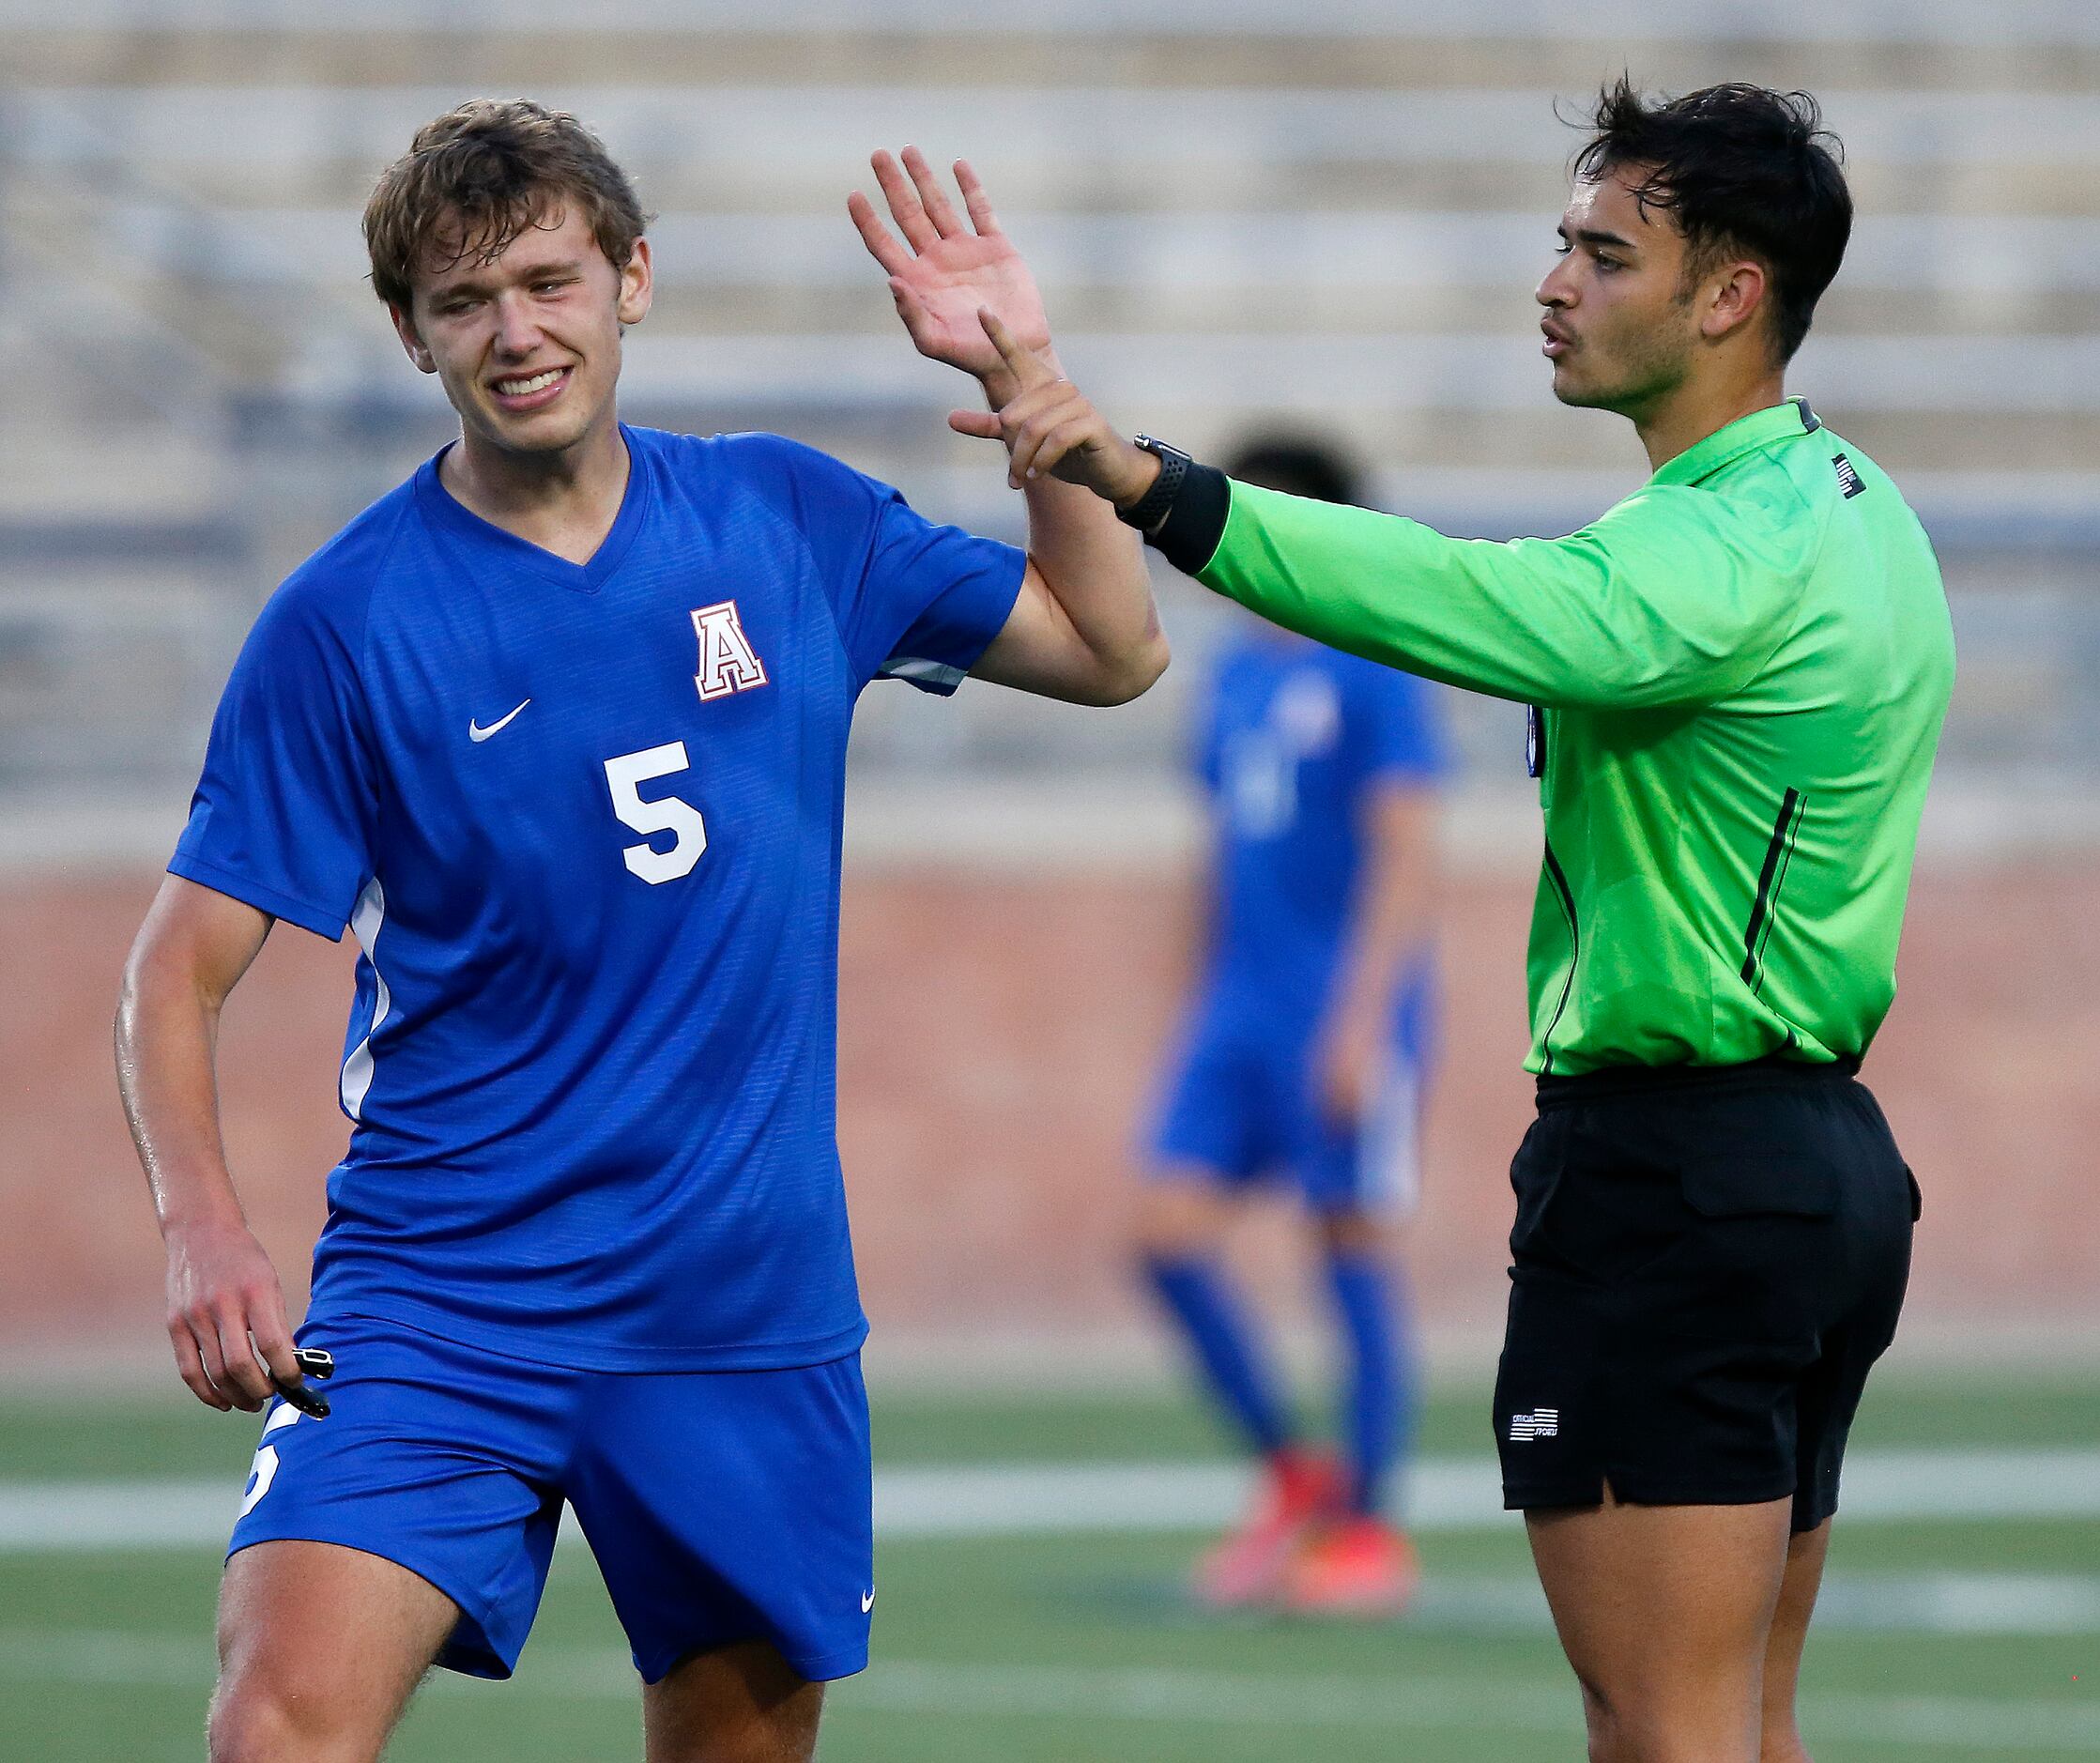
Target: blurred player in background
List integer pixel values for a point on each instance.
(557, 729)
(1305, 1056)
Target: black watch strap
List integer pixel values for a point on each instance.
(1150, 509)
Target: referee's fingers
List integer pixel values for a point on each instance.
(1030, 406)
(1026, 367)
(1051, 409)
(1068, 437)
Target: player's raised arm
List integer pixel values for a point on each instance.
(1084, 627)
(226, 1314)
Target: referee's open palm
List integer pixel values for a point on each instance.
(944, 272)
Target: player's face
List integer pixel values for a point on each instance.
(1619, 325)
(528, 347)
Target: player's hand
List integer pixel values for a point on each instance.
(226, 1317)
(942, 271)
(1050, 430)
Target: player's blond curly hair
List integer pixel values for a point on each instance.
(476, 177)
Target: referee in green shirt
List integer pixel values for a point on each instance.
(1737, 679)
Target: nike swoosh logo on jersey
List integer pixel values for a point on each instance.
(868, 1601)
(476, 732)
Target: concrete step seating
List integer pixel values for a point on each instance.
(1326, 209)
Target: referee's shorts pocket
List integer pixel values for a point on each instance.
(1770, 1151)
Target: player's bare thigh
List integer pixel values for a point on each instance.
(1354, 1230)
(320, 1648)
(1184, 1210)
(742, 1704)
(1665, 1613)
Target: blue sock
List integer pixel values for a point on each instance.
(1379, 1418)
(1200, 1299)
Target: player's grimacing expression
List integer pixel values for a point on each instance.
(526, 346)
(1622, 326)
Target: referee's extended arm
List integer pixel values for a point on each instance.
(1675, 596)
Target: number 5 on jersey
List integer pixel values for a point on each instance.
(664, 814)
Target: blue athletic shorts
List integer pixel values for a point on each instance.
(722, 1506)
(1244, 1107)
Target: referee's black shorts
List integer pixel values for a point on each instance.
(1706, 1262)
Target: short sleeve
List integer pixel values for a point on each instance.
(933, 598)
(284, 812)
(1396, 730)
(912, 600)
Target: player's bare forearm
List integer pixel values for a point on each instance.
(167, 1024)
(1390, 924)
(224, 1303)
(1392, 917)
(1084, 627)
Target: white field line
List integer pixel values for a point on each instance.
(930, 1690)
(1915, 1722)
(1061, 1499)
(1937, 1602)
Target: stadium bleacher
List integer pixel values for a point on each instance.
(1315, 211)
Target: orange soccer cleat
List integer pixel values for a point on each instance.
(1298, 1490)
(1356, 1566)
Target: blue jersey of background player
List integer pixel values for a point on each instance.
(557, 729)
(1305, 1055)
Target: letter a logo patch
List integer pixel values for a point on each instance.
(728, 661)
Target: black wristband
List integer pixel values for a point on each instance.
(1188, 536)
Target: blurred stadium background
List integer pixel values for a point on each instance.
(1242, 211)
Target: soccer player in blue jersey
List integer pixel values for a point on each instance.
(557, 729)
(1305, 1055)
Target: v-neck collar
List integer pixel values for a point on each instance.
(447, 511)
(1746, 434)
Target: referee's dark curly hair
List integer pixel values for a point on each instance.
(1742, 171)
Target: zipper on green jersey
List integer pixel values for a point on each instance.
(1564, 895)
(1764, 911)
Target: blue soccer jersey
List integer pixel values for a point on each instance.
(1295, 733)
(585, 822)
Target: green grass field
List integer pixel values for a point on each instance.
(1070, 1648)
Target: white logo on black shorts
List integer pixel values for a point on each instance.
(1544, 1423)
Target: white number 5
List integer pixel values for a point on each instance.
(667, 814)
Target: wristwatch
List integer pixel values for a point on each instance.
(1150, 509)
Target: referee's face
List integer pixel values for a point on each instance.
(1619, 330)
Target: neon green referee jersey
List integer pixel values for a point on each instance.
(1740, 672)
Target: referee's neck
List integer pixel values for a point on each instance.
(1702, 405)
